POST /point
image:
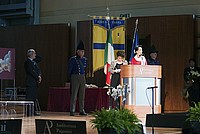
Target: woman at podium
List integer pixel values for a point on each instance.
(138, 59)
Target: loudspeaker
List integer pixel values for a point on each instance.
(191, 128)
(10, 126)
(170, 120)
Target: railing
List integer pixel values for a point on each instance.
(8, 108)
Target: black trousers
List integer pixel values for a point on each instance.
(31, 95)
(194, 94)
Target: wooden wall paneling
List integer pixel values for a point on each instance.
(173, 37)
(84, 32)
(197, 39)
(51, 42)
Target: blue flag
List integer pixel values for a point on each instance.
(134, 44)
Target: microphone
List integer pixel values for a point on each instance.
(152, 87)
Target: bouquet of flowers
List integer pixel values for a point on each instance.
(193, 76)
(119, 91)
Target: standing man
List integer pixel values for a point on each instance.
(153, 53)
(76, 73)
(33, 78)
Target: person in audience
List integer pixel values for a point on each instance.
(76, 72)
(152, 60)
(138, 59)
(192, 82)
(115, 71)
(33, 78)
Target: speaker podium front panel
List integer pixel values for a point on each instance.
(139, 78)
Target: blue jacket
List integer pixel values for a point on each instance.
(77, 65)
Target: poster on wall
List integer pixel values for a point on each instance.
(7, 63)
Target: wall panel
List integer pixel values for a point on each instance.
(52, 42)
(173, 36)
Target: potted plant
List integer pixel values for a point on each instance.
(192, 124)
(121, 121)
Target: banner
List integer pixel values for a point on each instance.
(100, 27)
(7, 63)
(11, 126)
(46, 126)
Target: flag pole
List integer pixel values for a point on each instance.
(108, 17)
(136, 27)
(109, 50)
(134, 35)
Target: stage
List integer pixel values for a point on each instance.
(28, 123)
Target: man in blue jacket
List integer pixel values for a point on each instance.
(76, 73)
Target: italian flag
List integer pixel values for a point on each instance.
(108, 56)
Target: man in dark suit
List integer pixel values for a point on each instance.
(76, 73)
(33, 78)
(152, 60)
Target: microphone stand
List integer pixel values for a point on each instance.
(110, 98)
(152, 123)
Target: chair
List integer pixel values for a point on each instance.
(10, 93)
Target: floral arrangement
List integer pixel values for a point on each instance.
(193, 76)
(119, 91)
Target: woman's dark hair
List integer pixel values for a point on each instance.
(136, 48)
(121, 54)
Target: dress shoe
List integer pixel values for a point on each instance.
(36, 114)
(83, 113)
(72, 114)
(28, 115)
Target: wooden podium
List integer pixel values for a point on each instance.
(139, 78)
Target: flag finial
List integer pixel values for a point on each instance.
(136, 22)
(108, 13)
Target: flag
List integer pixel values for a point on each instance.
(108, 56)
(100, 29)
(134, 44)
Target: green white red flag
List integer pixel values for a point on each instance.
(108, 56)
